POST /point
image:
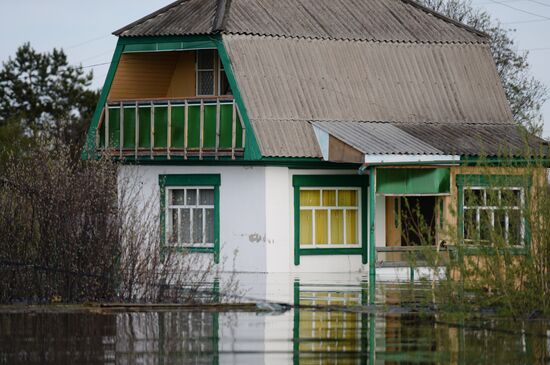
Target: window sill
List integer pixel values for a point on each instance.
(330, 251)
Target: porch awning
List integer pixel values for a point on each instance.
(413, 181)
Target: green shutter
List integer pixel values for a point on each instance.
(413, 181)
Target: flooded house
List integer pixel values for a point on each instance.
(295, 134)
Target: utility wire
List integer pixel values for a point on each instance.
(520, 10)
(527, 21)
(88, 41)
(96, 64)
(539, 2)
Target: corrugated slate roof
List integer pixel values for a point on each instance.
(183, 17)
(475, 139)
(377, 138)
(297, 80)
(381, 20)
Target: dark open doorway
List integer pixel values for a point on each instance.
(417, 220)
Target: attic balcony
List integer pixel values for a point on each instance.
(171, 105)
(194, 127)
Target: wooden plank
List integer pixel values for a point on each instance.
(169, 131)
(152, 128)
(137, 130)
(218, 111)
(233, 131)
(201, 129)
(121, 129)
(185, 129)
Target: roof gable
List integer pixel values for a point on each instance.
(378, 20)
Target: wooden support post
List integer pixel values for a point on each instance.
(152, 128)
(106, 126)
(218, 111)
(233, 131)
(137, 131)
(121, 129)
(169, 131)
(185, 129)
(201, 129)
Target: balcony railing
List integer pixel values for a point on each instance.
(193, 127)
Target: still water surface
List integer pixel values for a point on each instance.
(387, 333)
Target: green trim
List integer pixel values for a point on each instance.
(160, 44)
(293, 163)
(252, 149)
(320, 181)
(330, 251)
(372, 216)
(480, 180)
(89, 150)
(329, 180)
(191, 180)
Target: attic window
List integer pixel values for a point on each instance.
(205, 72)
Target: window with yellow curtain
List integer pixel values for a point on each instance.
(329, 217)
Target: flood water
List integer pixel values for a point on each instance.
(389, 332)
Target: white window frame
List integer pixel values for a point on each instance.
(169, 225)
(357, 208)
(492, 210)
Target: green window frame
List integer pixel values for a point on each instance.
(490, 188)
(301, 182)
(190, 181)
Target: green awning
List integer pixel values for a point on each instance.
(406, 181)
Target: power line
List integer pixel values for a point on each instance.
(87, 41)
(527, 21)
(520, 10)
(97, 64)
(539, 2)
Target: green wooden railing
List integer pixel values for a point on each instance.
(194, 127)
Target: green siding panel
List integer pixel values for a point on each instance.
(178, 126)
(129, 128)
(161, 126)
(225, 125)
(209, 140)
(194, 126)
(413, 181)
(145, 127)
(114, 127)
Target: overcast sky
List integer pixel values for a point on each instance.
(83, 29)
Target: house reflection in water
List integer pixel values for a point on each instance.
(359, 333)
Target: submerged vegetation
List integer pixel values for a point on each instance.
(69, 233)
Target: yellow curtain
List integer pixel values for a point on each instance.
(351, 227)
(347, 198)
(329, 198)
(321, 227)
(311, 198)
(306, 227)
(337, 226)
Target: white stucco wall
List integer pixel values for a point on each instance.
(257, 217)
